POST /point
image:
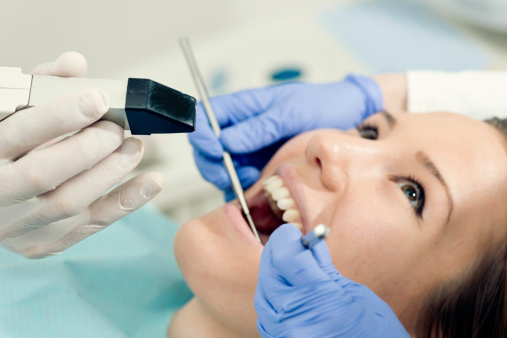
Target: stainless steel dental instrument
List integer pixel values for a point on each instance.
(229, 165)
(316, 235)
(140, 105)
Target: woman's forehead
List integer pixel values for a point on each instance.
(453, 138)
(455, 142)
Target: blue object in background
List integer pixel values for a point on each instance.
(286, 74)
(120, 282)
(395, 36)
(218, 82)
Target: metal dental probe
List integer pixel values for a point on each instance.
(229, 165)
(316, 235)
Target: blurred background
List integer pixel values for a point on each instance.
(241, 44)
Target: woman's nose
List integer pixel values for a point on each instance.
(338, 155)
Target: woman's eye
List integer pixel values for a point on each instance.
(369, 133)
(414, 194)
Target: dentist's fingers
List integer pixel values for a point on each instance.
(240, 106)
(67, 64)
(43, 170)
(29, 128)
(108, 209)
(212, 170)
(258, 132)
(81, 191)
(229, 110)
(287, 257)
(126, 198)
(323, 257)
(71, 64)
(203, 139)
(78, 193)
(105, 211)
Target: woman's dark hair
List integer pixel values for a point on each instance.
(500, 124)
(474, 304)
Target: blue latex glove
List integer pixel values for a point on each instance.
(256, 122)
(301, 294)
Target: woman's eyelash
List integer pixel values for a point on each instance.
(368, 131)
(419, 207)
(365, 125)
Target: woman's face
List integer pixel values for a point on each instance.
(409, 199)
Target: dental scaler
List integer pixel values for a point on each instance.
(140, 105)
(318, 233)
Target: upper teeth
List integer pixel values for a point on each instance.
(285, 203)
(279, 194)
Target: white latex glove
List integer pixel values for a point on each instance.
(52, 187)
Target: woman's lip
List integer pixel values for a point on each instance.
(291, 181)
(235, 217)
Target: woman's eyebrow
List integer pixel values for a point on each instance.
(425, 160)
(389, 118)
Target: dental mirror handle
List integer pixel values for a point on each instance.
(208, 108)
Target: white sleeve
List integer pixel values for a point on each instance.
(477, 94)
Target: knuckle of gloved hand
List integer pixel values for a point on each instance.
(127, 203)
(35, 179)
(220, 182)
(271, 129)
(66, 207)
(103, 137)
(35, 220)
(111, 172)
(207, 145)
(93, 104)
(278, 260)
(110, 132)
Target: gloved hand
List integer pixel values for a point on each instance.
(52, 185)
(301, 294)
(256, 122)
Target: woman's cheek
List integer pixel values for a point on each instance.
(367, 239)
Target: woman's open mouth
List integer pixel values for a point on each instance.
(272, 207)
